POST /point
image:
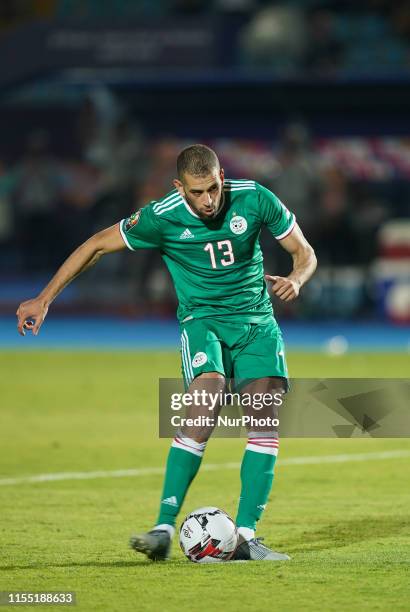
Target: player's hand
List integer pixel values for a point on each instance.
(284, 288)
(30, 315)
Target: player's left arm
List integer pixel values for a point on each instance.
(304, 264)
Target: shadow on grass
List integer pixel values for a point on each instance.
(345, 533)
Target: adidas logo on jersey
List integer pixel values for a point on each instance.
(186, 234)
(171, 501)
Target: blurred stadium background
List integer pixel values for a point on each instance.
(311, 98)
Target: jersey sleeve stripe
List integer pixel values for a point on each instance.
(288, 231)
(239, 181)
(164, 210)
(166, 202)
(242, 188)
(124, 235)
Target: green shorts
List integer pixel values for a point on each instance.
(240, 351)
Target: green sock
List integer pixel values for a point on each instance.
(184, 459)
(257, 472)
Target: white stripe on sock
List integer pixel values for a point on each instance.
(266, 450)
(263, 442)
(189, 445)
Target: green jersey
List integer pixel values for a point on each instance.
(216, 265)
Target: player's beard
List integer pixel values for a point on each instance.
(217, 211)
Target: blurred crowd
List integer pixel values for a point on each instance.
(319, 37)
(328, 38)
(343, 193)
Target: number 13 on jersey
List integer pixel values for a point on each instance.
(227, 256)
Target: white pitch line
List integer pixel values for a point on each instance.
(207, 467)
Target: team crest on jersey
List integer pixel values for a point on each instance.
(238, 225)
(133, 220)
(199, 360)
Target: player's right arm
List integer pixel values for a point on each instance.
(85, 256)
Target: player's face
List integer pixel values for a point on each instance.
(203, 194)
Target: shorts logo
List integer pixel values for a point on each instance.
(238, 225)
(199, 359)
(133, 220)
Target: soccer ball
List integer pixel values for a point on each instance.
(208, 535)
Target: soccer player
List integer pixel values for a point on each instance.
(207, 230)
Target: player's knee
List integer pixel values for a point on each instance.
(202, 438)
(198, 434)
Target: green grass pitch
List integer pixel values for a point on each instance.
(346, 525)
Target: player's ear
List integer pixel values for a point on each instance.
(179, 186)
(222, 174)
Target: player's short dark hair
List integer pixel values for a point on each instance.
(197, 160)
